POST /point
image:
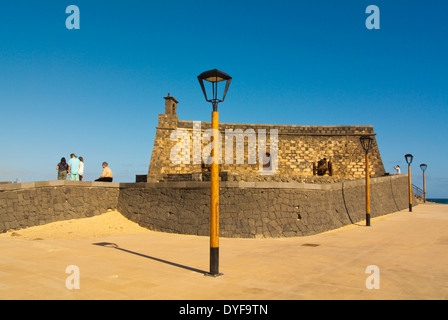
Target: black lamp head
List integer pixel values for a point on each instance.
(366, 142)
(214, 77)
(408, 157)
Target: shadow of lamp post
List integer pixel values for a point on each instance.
(214, 77)
(408, 157)
(366, 143)
(423, 166)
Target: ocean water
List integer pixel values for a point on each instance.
(444, 201)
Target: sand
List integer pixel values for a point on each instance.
(107, 224)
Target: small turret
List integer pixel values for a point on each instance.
(170, 105)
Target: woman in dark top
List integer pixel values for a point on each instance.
(62, 168)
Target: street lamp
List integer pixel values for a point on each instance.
(423, 166)
(366, 143)
(214, 77)
(408, 157)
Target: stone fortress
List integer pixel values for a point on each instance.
(300, 148)
(305, 195)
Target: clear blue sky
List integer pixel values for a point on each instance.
(97, 91)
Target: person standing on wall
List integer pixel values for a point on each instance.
(62, 168)
(81, 168)
(107, 175)
(73, 167)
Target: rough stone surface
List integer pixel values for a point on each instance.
(247, 209)
(260, 209)
(37, 203)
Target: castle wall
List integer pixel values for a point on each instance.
(298, 148)
(247, 209)
(260, 209)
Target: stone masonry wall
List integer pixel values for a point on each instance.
(35, 203)
(298, 148)
(247, 209)
(260, 209)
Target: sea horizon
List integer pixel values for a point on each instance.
(438, 200)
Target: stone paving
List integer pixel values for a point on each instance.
(409, 250)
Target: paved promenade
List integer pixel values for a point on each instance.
(410, 251)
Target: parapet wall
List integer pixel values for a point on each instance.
(247, 209)
(260, 209)
(36, 203)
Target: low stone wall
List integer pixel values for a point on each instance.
(259, 209)
(247, 209)
(36, 203)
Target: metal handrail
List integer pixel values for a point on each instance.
(417, 191)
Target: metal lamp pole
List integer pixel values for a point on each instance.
(214, 77)
(423, 166)
(366, 142)
(408, 158)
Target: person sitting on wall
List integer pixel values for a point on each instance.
(107, 175)
(397, 167)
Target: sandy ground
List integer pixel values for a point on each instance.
(107, 224)
(408, 249)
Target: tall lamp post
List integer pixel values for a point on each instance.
(366, 143)
(423, 166)
(408, 158)
(214, 77)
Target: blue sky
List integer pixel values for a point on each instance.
(97, 91)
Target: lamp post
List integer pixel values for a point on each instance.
(214, 77)
(408, 157)
(366, 143)
(423, 166)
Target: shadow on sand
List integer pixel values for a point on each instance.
(115, 246)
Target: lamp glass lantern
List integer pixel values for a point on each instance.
(423, 166)
(409, 157)
(366, 142)
(214, 77)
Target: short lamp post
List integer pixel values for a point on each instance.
(214, 77)
(408, 158)
(366, 143)
(423, 166)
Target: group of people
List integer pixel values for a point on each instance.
(74, 168)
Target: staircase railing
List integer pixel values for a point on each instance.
(417, 191)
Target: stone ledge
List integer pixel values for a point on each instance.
(259, 185)
(362, 182)
(57, 183)
(200, 184)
